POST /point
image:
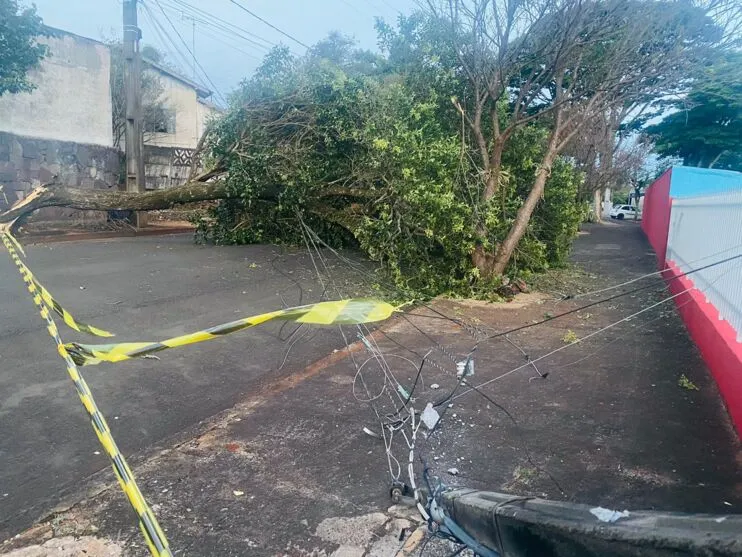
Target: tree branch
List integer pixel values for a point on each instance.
(56, 195)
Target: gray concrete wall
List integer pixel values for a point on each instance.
(166, 167)
(72, 101)
(26, 163)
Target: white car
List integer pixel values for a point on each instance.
(621, 212)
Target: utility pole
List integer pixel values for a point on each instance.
(133, 88)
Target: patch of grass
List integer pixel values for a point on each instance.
(570, 337)
(524, 475)
(570, 279)
(687, 384)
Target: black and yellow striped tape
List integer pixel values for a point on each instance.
(340, 312)
(49, 300)
(153, 534)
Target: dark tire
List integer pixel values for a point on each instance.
(620, 216)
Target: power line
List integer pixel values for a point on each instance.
(256, 16)
(388, 5)
(185, 44)
(352, 7)
(604, 300)
(216, 37)
(166, 41)
(216, 22)
(603, 329)
(652, 274)
(222, 21)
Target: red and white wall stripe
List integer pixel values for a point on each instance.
(693, 218)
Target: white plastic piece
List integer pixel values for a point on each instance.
(465, 366)
(430, 416)
(607, 515)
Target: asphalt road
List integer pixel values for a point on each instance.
(141, 289)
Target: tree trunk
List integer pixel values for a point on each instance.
(716, 159)
(505, 251)
(54, 195)
(493, 176)
(597, 200)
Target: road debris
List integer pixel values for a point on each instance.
(607, 515)
(430, 416)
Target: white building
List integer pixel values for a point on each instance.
(72, 99)
(188, 105)
(63, 130)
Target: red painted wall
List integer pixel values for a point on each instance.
(716, 339)
(656, 215)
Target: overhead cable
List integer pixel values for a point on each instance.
(185, 44)
(269, 24)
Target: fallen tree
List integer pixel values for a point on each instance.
(440, 159)
(58, 195)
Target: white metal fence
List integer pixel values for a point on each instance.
(704, 230)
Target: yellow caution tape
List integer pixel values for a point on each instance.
(15, 242)
(49, 300)
(340, 312)
(153, 534)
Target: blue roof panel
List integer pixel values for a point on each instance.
(689, 181)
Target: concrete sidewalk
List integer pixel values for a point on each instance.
(289, 469)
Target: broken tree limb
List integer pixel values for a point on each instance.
(55, 195)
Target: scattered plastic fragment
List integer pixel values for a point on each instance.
(435, 386)
(367, 431)
(607, 515)
(720, 519)
(453, 471)
(238, 493)
(403, 392)
(465, 366)
(430, 416)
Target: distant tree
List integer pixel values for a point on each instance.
(154, 109)
(341, 51)
(610, 155)
(706, 128)
(19, 49)
(564, 62)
